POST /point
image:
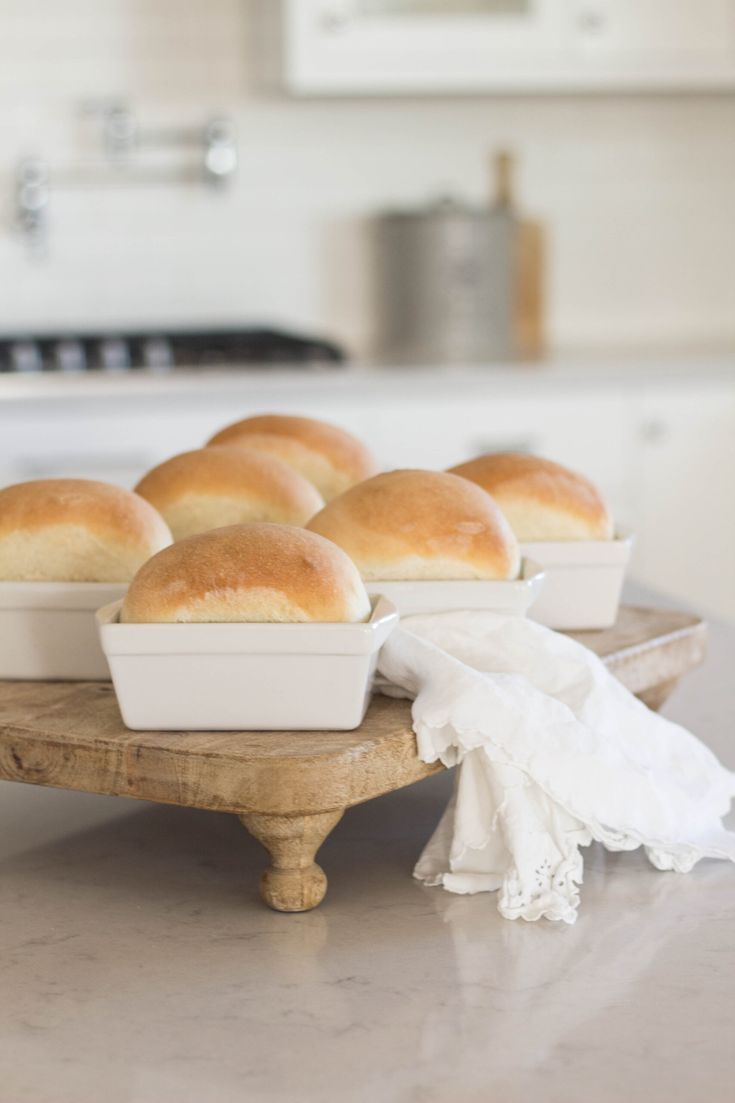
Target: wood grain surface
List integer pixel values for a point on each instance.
(70, 735)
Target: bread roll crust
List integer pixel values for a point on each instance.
(541, 499)
(76, 530)
(328, 456)
(213, 487)
(412, 524)
(258, 572)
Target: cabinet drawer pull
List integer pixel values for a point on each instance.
(511, 444)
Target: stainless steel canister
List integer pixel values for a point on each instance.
(445, 278)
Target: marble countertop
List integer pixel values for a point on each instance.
(620, 369)
(138, 965)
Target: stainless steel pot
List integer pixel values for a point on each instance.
(445, 283)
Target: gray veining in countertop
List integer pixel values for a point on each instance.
(138, 965)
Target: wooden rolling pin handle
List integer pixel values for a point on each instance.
(503, 166)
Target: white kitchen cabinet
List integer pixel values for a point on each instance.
(683, 495)
(428, 46)
(586, 431)
(118, 440)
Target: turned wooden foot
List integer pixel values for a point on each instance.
(293, 882)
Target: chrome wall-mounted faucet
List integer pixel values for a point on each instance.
(220, 150)
(31, 202)
(122, 146)
(118, 126)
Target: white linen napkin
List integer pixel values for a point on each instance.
(553, 752)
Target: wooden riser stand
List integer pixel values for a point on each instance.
(289, 789)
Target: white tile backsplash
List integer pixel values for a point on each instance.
(637, 191)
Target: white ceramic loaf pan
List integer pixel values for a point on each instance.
(48, 629)
(252, 677)
(584, 580)
(421, 596)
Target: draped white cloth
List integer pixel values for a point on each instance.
(553, 752)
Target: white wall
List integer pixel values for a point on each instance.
(637, 192)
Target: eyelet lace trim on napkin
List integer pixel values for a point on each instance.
(553, 752)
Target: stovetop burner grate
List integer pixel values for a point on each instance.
(161, 351)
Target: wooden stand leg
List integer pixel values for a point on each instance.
(293, 882)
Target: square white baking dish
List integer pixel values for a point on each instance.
(244, 677)
(584, 580)
(48, 629)
(419, 596)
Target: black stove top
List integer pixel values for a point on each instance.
(161, 351)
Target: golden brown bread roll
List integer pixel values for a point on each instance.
(259, 572)
(212, 487)
(76, 530)
(541, 499)
(330, 458)
(420, 524)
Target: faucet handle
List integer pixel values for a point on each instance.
(119, 126)
(32, 190)
(220, 149)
